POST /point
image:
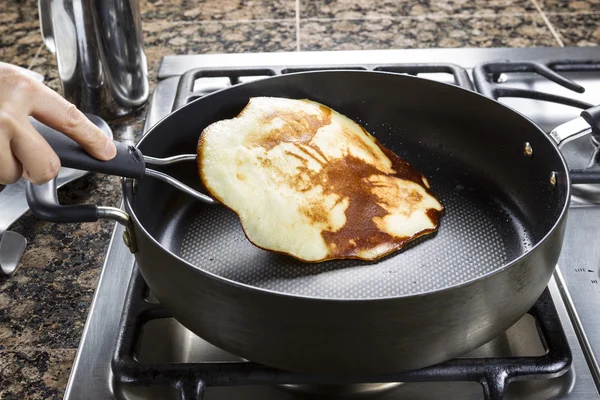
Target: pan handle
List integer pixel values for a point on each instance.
(128, 162)
(43, 199)
(592, 117)
(588, 122)
(43, 203)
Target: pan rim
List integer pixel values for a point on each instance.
(128, 192)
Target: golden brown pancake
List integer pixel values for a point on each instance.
(309, 182)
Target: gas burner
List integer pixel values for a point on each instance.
(491, 79)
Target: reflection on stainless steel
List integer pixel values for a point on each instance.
(180, 186)
(120, 216)
(128, 136)
(169, 160)
(580, 272)
(100, 55)
(90, 376)
(13, 205)
(163, 98)
(113, 214)
(12, 246)
(571, 130)
(168, 179)
(167, 340)
(356, 390)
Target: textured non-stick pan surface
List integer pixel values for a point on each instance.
(477, 235)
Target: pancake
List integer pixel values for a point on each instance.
(309, 182)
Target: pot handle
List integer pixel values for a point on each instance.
(43, 199)
(592, 117)
(128, 162)
(588, 122)
(43, 203)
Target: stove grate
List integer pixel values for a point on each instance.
(493, 374)
(186, 92)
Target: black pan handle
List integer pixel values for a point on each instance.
(592, 117)
(43, 203)
(129, 161)
(43, 200)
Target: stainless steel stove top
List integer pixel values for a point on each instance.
(575, 288)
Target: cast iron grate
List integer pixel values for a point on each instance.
(186, 93)
(487, 78)
(190, 379)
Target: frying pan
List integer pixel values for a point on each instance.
(502, 180)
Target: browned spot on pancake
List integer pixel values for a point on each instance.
(326, 111)
(434, 215)
(315, 211)
(350, 178)
(240, 176)
(297, 128)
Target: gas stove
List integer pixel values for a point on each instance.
(132, 349)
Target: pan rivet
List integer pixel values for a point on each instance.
(528, 150)
(126, 239)
(553, 177)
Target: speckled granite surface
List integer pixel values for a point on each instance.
(43, 306)
(424, 32)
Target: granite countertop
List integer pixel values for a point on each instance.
(43, 306)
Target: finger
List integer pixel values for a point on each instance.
(51, 109)
(10, 167)
(40, 163)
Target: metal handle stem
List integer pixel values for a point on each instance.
(169, 160)
(184, 188)
(571, 130)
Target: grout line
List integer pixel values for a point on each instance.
(296, 20)
(573, 13)
(297, 25)
(227, 21)
(37, 53)
(421, 17)
(548, 23)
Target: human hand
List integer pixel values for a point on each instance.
(23, 151)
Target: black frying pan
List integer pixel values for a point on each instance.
(502, 180)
